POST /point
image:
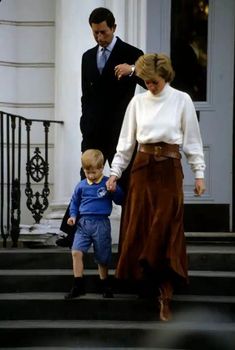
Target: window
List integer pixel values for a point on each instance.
(189, 42)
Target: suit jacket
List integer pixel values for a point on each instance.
(104, 97)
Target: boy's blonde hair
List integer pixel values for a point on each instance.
(151, 64)
(92, 158)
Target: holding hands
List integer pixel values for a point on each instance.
(111, 184)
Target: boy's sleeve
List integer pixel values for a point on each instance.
(118, 196)
(75, 202)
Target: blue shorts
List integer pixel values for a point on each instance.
(96, 231)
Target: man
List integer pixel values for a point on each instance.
(108, 84)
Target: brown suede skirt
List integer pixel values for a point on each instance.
(152, 234)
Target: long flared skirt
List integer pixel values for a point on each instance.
(151, 234)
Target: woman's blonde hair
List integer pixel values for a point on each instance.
(151, 64)
(92, 158)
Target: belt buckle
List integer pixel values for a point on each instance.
(157, 151)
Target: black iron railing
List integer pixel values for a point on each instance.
(19, 158)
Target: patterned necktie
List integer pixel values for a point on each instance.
(102, 59)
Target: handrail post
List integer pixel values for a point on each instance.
(15, 188)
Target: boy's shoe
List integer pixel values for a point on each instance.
(106, 288)
(66, 241)
(77, 290)
(74, 293)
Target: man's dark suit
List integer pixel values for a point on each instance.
(104, 102)
(105, 98)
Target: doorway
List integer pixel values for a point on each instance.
(212, 90)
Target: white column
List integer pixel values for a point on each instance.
(73, 38)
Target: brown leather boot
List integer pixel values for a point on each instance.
(165, 311)
(164, 299)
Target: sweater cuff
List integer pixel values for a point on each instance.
(199, 174)
(116, 173)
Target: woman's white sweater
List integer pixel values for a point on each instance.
(169, 117)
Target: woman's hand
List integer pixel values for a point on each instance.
(71, 221)
(199, 187)
(111, 184)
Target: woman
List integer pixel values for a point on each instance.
(152, 235)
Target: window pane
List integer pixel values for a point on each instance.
(189, 38)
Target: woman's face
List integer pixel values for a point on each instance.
(156, 85)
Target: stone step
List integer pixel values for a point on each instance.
(36, 238)
(84, 348)
(52, 306)
(206, 257)
(72, 333)
(60, 280)
(215, 258)
(212, 238)
(35, 316)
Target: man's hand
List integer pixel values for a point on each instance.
(121, 70)
(71, 221)
(199, 187)
(111, 184)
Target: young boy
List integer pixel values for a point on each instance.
(91, 203)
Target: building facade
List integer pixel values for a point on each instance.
(40, 63)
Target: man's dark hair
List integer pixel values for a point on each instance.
(101, 14)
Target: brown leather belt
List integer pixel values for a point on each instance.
(161, 150)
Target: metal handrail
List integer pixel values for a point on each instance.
(36, 171)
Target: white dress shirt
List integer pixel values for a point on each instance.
(109, 49)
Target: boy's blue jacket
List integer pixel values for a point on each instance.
(94, 199)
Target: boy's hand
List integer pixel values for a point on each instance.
(111, 184)
(71, 221)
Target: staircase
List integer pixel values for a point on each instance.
(34, 314)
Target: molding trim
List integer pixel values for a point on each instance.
(26, 105)
(165, 28)
(27, 64)
(209, 104)
(27, 23)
